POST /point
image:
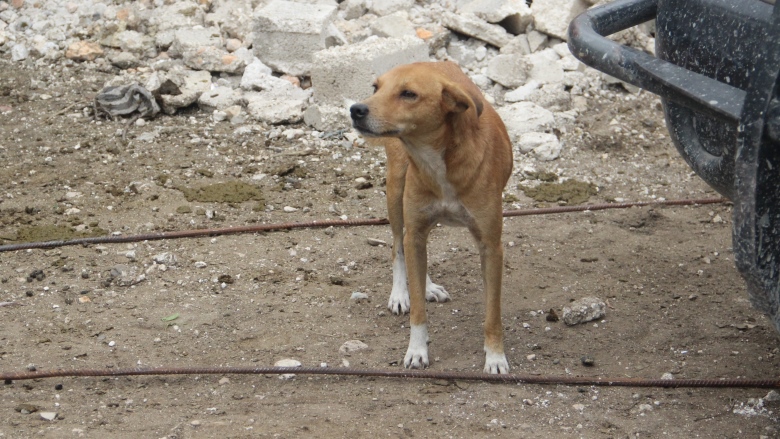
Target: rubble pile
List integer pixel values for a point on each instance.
(282, 62)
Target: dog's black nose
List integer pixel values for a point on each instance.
(358, 111)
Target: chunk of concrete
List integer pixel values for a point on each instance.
(180, 14)
(287, 34)
(473, 26)
(353, 9)
(584, 310)
(508, 70)
(395, 25)
(545, 146)
(214, 59)
(325, 117)
(512, 15)
(347, 72)
(553, 16)
(279, 105)
(387, 7)
(545, 67)
(525, 117)
(518, 45)
(179, 88)
(185, 40)
(219, 98)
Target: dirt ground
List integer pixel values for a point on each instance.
(676, 302)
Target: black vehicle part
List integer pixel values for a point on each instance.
(716, 72)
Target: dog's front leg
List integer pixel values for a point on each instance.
(415, 248)
(492, 261)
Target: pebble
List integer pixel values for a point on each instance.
(359, 297)
(375, 242)
(48, 416)
(200, 264)
(667, 376)
(587, 360)
(289, 209)
(224, 380)
(351, 346)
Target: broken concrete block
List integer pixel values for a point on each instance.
(256, 76)
(219, 98)
(512, 15)
(287, 34)
(525, 117)
(474, 26)
(387, 7)
(553, 16)
(280, 105)
(186, 40)
(522, 93)
(327, 117)
(128, 41)
(545, 67)
(536, 40)
(179, 88)
(214, 59)
(518, 45)
(545, 146)
(180, 14)
(233, 17)
(464, 52)
(395, 25)
(508, 70)
(346, 72)
(353, 9)
(584, 310)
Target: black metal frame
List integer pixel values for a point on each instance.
(717, 75)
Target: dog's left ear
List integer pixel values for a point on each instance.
(457, 100)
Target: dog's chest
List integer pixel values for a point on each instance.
(447, 209)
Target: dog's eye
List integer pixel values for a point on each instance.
(408, 94)
(374, 87)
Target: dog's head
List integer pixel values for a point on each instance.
(417, 99)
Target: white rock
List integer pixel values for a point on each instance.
(280, 105)
(544, 67)
(523, 92)
(536, 40)
(508, 70)
(351, 346)
(530, 141)
(19, 52)
(584, 310)
(525, 117)
(474, 26)
(549, 150)
(395, 25)
(219, 98)
(289, 209)
(513, 15)
(553, 16)
(359, 297)
(48, 416)
(386, 7)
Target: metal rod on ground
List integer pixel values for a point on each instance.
(418, 374)
(196, 233)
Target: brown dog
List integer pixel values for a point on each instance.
(448, 160)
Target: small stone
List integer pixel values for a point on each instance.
(531, 357)
(375, 242)
(587, 360)
(351, 346)
(584, 310)
(48, 416)
(111, 344)
(772, 396)
(552, 316)
(667, 376)
(83, 51)
(359, 297)
(31, 367)
(289, 209)
(26, 409)
(224, 380)
(195, 423)
(200, 264)
(84, 299)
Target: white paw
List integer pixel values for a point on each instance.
(399, 300)
(495, 363)
(417, 353)
(434, 292)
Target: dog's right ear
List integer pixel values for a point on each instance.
(456, 100)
